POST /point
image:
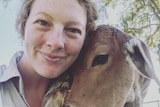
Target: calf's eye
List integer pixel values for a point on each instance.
(100, 60)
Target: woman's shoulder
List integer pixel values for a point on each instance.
(2, 69)
(10, 71)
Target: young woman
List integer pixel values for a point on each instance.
(53, 32)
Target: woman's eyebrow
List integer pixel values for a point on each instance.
(71, 22)
(43, 13)
(77, 23)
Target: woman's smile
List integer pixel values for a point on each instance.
(52, 57)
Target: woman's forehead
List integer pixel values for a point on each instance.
(64, 9)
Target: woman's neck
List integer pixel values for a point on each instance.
(30, 77)
(35, 86)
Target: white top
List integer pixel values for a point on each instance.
(10, 96)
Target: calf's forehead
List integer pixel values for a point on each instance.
(103, 39)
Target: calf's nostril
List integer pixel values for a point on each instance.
(66, 105)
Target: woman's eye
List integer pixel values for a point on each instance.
(42, 23)
(73, 30)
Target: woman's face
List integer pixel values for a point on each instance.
(54, 35)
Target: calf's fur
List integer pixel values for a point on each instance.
(113, 70)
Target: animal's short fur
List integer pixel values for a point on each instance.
(56, 97)
(113, 70)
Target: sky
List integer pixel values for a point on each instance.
(10, 42)
(9, 38)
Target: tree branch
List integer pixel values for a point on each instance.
(155, 5)
(143, 27)
(157, 29)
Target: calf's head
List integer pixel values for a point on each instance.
(102, 75)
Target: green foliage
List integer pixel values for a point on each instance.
(112, 3)
(140, 18)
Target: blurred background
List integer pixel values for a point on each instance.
(139, 18)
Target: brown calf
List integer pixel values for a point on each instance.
(113, 70)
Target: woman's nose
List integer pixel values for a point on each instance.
(56, 39)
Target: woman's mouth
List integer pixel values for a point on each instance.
(51, 58)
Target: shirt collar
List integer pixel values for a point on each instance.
(7, 73)
(12, 70)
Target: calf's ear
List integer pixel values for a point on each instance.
(138, 54)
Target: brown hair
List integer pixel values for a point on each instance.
(24, 12)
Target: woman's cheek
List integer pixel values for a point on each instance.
(34, 36)
(76, 46)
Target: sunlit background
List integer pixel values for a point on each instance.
(10, 42)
